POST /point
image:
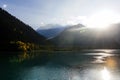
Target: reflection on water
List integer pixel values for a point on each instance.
(105, 74)
(21, 57)
(85, 65)
(112, 62)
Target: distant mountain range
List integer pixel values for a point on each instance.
(15, 34)
(50, 30)
(13, 30)
(83, 37)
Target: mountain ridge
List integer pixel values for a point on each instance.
(50, 30)
(89, 38)
(12, 29)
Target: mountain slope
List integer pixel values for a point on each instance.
(12, 29)
(50, 31)
(82, 37)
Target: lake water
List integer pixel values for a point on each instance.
(62, 65)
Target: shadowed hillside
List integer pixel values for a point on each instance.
(12, 30)
(82, 37)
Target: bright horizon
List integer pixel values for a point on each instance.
(92, 13)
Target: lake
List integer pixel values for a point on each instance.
(97, 64)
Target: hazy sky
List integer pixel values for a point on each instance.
(40, 12)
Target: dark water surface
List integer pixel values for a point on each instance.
(65, 65)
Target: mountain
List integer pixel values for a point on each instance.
(13, 30)
(50, 30)
(83, 37)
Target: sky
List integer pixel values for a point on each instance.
(40, 12)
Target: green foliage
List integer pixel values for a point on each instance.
(24, 46)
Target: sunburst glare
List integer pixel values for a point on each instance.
(102, 20)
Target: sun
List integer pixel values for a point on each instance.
(102, 20)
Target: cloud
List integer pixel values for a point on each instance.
(4, 5)
(76, 20)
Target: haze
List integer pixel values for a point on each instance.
(64, 12)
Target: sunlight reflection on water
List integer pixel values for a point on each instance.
(105, 74)
(97, 70)
(80, 66)
(92, 74)
(101, 55)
